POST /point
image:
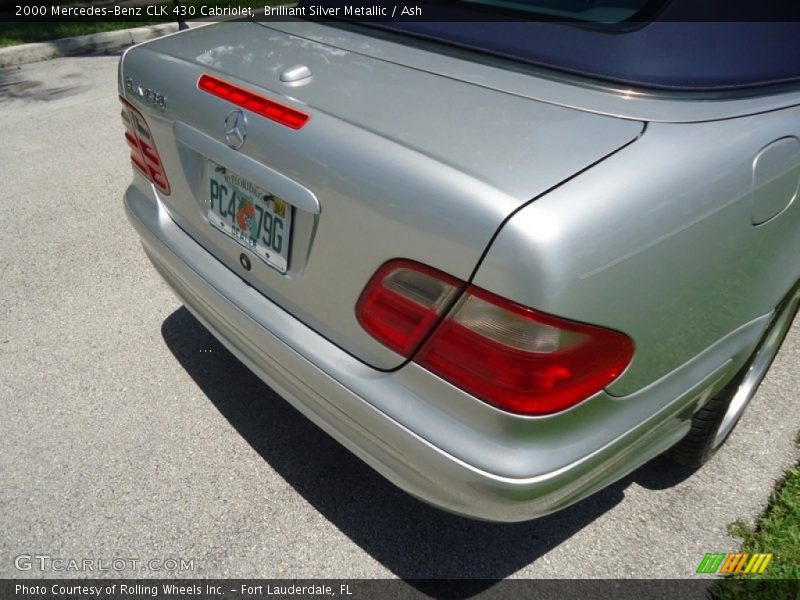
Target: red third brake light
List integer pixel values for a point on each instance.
(260, 105)
(144, 154)
(508, 355)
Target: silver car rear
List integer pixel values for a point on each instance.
(644, 217)
(394, 162)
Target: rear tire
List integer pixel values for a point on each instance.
(713, 423)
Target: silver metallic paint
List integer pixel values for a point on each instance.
(776, 179)
(435, 178)
(649, 233)
(540, 84)
(490, 464)
(657, 242)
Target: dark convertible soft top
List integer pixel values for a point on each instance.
(690, 45)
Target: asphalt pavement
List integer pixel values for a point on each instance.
(129, 432)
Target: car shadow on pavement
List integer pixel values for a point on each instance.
(408, 537)
(17, 84)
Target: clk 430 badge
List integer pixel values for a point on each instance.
(149, 95)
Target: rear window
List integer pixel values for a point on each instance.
(591, 11)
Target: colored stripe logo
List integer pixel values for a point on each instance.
(733, 562)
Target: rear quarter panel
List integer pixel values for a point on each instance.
(658, 242)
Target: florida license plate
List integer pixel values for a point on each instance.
(257, 219)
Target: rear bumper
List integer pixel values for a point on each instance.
(339, 393)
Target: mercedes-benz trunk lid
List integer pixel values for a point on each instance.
(393, 162)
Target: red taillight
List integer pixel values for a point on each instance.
(285, 115)
(522, 360)
(402, 301)
(144, 154)
(508, 355)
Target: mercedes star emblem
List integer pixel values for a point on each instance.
(235, 129)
